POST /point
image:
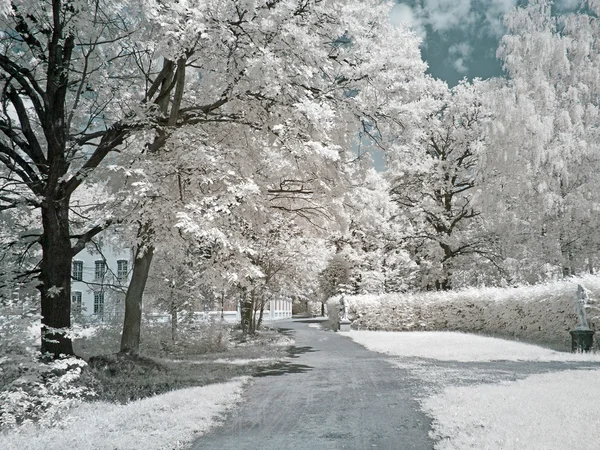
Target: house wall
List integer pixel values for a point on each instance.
(110, 285)
(273, 310)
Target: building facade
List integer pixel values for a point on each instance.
(99, 280)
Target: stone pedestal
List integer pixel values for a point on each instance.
(581, 340)
(345, 325)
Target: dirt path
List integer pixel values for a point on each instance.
(333, 394)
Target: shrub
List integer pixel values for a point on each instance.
(42, 392)
(541, 313)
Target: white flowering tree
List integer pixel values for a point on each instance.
(277, 89)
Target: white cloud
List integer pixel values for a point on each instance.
(459, 54)
(402, 13)
(446, 14)
(461, 49)
(494, 16)
(460, 66)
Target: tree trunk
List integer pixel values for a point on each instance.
(255, 306)
(55, 277)
(443, 285)
(566, 257)
(222, 307)
(247, 312)
(173, 318)
(260, 314)
(130, 340)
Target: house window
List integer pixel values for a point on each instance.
(76, 302)
(77, 270)
(100, 269)
(98, 302)
(122, 269)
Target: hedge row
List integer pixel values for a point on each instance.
(542, 314)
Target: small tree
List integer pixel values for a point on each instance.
(335, 277)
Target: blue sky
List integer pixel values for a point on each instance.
(460, 37)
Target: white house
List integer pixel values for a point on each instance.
(100, 276)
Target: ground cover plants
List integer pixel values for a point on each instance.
(33, 390)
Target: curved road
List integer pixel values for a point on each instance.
(333, 394)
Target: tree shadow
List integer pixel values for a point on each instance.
(312, 320)
(285, 367)
(295, 352)
(282, 368)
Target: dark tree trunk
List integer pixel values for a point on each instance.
(130, 340)
(55, 278)
(443, 285)
(222, 307)
(174, 318)
(247, 313)
(260, 315)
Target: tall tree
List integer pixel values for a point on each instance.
(62, 66)
(435, 185)
(279, 130)
(541, 165)
(79, 79)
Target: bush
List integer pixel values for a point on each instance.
(42, 392)
(196, 338)
(542, 313)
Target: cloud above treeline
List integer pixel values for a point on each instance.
(481, 16)
(461, 36)
(446, 15)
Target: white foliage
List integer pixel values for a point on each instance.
(540, 176)
(540, 313)
(43, 394)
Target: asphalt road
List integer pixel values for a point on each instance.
(332, 394)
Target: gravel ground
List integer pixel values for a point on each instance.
(334, 394)
(331, 394)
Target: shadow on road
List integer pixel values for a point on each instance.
(285, 367)
(295, 352)
(282, 368)
(312, 320)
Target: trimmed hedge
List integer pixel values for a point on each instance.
(542, 313)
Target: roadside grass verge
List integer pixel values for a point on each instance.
(203, 354)
(33, 391)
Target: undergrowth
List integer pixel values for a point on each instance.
(38, 391)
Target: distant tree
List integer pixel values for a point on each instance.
(333, 278)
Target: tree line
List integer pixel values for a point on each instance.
(231, 141)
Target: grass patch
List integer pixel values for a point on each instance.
(192, 360)
(33, 390)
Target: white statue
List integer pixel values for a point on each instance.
(344, 308)
(580, 304)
